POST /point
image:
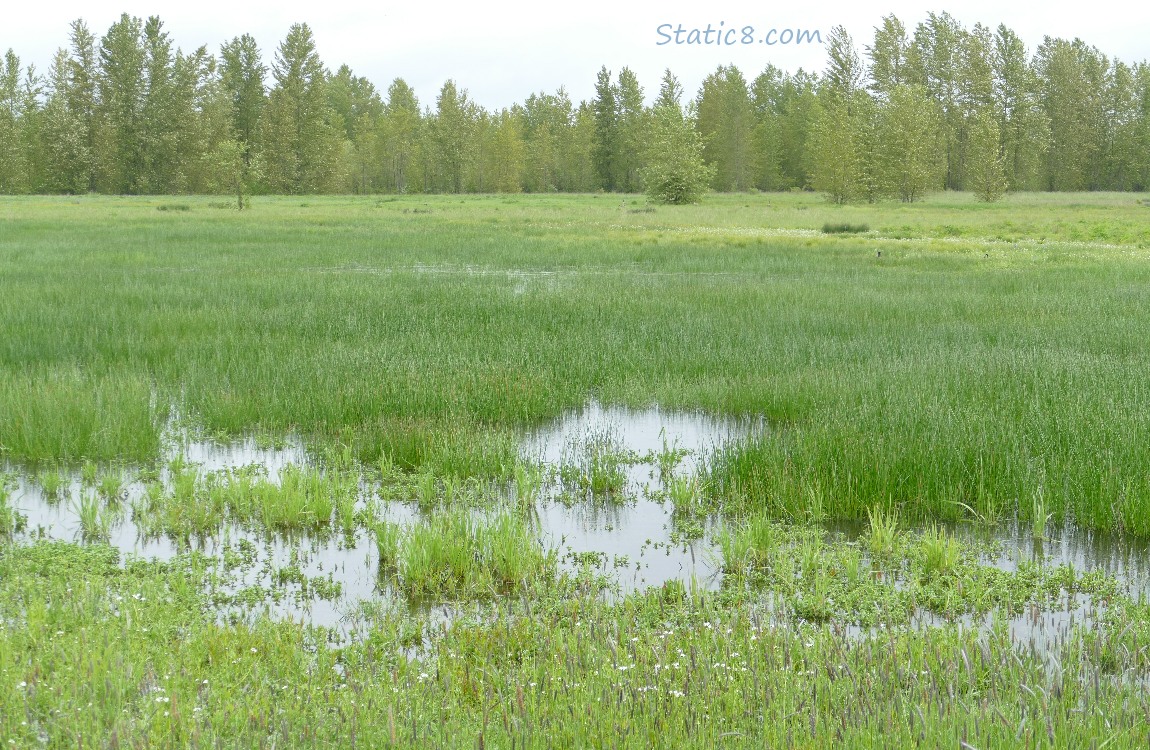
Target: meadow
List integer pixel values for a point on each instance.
(923, 376)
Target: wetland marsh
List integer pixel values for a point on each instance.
(552, 471)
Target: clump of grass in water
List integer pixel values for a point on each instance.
(51, 483)
(89, 472)
(528, 484)
(95, 521)
(940, 552)
(453, 555)
(1038, 513)
(883, 539)
(387, 539)
(749, 545)
(600, 468)
(111, 486)
(668, 458)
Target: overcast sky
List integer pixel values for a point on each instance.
(502, 52)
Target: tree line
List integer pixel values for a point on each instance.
(937, 107)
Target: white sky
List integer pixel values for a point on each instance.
(502, 52)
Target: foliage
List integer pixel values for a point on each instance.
(676, 172)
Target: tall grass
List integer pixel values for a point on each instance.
(993, 344)
(454, 554)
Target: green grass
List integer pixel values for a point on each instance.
(133, 651)
(845, 228)
(958, 361)
(990, 345)
(455, 555)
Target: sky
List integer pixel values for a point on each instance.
(503, 52)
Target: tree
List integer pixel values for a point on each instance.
(935, 64)
(69, 124)
(302, 143)
(985, 163)
(726, 121)
(908, 137)
(400, 139)
(1071, 82)
(502, 153)
(670, 91)
(16, 103)
(674, 170)
(452, 142)
(845, 71)
(605, 145)
(1022, 123)
(632, 131)
(766, 137)
(242, 75)
(358, 106)
(888, 56)
(834, 153)
(119, 158)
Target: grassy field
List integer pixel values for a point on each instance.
(951, 362)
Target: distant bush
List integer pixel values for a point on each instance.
(845, 228)
(173, 207)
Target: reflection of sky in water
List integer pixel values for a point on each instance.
(633, 532)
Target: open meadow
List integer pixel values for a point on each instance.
(574, 470)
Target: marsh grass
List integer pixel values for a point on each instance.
(845, 228)
(52, 483)
(933, 382)
(595, 467)
(111, 486)
(456, 555)
(11, 520)
(94, 518)
(652, 664)
(883, 538)
(996, 349)
(940, 552)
